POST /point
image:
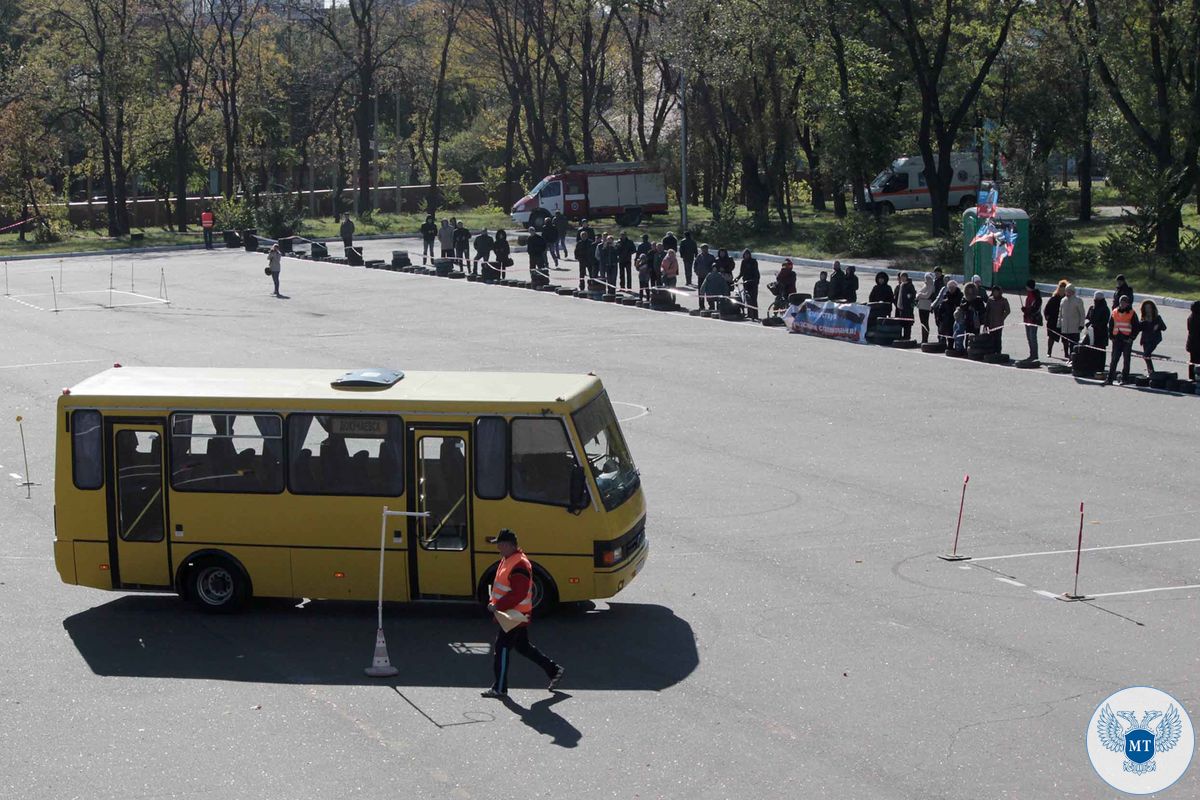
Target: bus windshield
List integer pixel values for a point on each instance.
(604, 447)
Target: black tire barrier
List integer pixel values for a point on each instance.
(472, 278)
(997, 358)
(400, 258)
(729, 317)
(796, 298)
(1162, 380)
(1059, 369)
(905, 344)
(771, 322)
(609, 298)
(933, 347)
(443, 266)
(456, 276)
(642, 304)
(952, 353)
(565, 292)
(232, 239)
(695, 312)
(1027, 364)
(354, 256)
(1187, 387)
(320, 250)
(706, 313)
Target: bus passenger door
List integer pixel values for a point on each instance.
(441, 563)
(137, 513)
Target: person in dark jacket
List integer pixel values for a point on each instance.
(539, 268)
(462, 244)
(821, 287)
(749, 276)
(724, 263)
(1031, 315)
(669, 242)
(1123, 290)
(939, 281)
(585, 252)
(585, 226)
(687, 254)
(483, 250)
(705, 262)
(713, 287)
(968, 318)
(1053, 304)
(785, 280)
(947, 302)
(1193, 340)
(625, 253)
(347, 231)
(851, 285)
(607, 260)
(550, 234)
(1096, 322)
(837, 284)
(428, 237)
(656, 256)
(881, 298)
(1123, 327)
(1152, 332)
(906, 304)
(501, 253)
(561, 228)
(644, 247)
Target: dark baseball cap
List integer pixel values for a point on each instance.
(505, 535)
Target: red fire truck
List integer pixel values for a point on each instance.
(628, 192)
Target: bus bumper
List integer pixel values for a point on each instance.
(613, 581)
(64, 560)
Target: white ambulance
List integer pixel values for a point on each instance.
(902, 186)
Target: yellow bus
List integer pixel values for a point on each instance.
(223, 484)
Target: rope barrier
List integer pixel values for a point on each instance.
(17, 224)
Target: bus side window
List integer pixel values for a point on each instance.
(87, 449)
(220, 452)
(542, 461)
(351, 455)
(491, 458)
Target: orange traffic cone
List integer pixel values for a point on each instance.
(381, 665)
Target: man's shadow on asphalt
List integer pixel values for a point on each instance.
(543, 719)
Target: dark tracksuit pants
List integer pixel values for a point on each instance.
(427, 253)
(1121, 346)
(516, 639)
(687, 269)
(626, 274)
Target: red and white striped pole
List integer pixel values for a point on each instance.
(953, 554)
(1075, 595)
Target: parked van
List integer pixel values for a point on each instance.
(902, 186)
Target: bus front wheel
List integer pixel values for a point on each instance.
(216, 585)
(545, 593)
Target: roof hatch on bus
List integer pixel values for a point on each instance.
(367, 379)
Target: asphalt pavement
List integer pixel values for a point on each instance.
(793, 634)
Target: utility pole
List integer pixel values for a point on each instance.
(683, 149)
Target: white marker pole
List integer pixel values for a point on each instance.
(54, 294)
(381, 665)
(6, 279)
(28, 480)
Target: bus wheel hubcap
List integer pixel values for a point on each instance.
(215, 585)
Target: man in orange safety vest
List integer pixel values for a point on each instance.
(511, 603)
(207, 222)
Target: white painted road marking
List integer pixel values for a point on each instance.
(1089, 549)
(1011, 582)
(1144, 591)
(49, 364)
(1044, 593)
(15, 476)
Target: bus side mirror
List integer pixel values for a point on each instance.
(579, 492)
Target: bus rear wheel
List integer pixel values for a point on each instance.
(216, 585)
(629, 218)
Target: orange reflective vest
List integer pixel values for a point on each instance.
(206, 219)
(1122, 323)
(502, 584)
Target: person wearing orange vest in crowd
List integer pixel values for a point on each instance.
(207, 222)
(512, 591)
(1123, 328)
